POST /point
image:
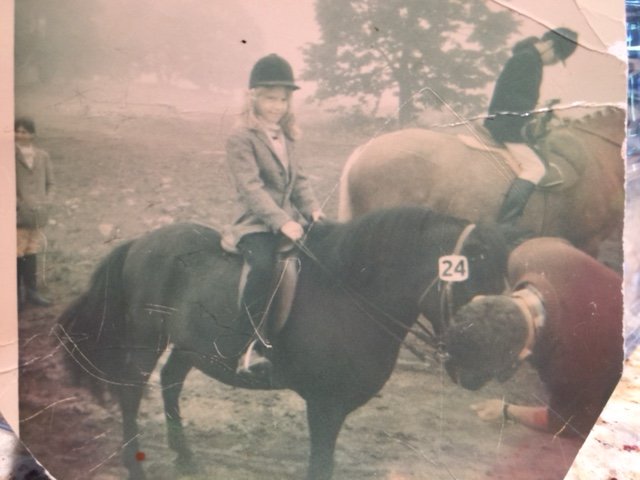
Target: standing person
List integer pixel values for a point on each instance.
(564, 316)
(276, 198)
(34, 180)
(515, 96)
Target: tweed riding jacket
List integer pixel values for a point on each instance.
(271, 190)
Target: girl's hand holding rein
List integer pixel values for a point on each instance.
(292, 230)
(317, 215)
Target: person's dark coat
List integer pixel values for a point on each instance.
(515, 94)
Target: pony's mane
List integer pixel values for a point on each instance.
(601, 116)
(380, 239)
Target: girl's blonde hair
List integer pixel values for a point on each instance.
(249, 116)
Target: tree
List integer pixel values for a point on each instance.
(427, 52)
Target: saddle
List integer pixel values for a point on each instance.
(563, 155)
(285, 279)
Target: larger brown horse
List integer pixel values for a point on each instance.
(438, 170)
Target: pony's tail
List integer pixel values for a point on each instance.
(92, 328)
(345, 212)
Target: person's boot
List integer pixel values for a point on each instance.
(253, 363)
(21, 287)
(515, 201)
(30, 276)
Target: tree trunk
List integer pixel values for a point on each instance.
(406, 108)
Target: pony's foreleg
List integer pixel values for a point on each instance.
(172, 378)
(325, 417)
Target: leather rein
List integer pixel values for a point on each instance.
(423, 332)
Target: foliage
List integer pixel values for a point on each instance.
(428, 52)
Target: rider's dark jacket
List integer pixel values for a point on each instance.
(516, 93)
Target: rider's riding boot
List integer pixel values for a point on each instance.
(253, 363)
(30, 278)
(515, 201)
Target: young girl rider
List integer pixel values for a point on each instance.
(274, 193)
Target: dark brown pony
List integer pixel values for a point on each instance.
(439, 171)
(361, 287)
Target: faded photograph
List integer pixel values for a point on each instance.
(323, 239)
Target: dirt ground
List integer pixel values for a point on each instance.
(120, 173)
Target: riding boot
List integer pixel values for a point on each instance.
(258, 250)
(254, 302)
(253, 363)
(30, 276)
(515, 201)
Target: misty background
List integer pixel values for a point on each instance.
(351, 57)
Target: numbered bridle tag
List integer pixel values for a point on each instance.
(453, 268)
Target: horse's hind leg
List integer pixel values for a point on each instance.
(172, 378)
(139, 365)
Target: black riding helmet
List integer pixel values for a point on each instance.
(564, 41)
(272, 71)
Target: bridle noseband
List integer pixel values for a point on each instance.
(446, 302)
(446, 289)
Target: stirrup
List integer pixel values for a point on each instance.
(252, 363)
(552, 178)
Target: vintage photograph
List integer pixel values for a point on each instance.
(330, 239)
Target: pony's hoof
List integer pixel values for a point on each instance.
(137, 474)
(186, 465)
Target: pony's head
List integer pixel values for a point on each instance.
(485, 341)
(394, 253)
(486, 252)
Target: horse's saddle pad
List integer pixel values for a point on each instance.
(562, 172)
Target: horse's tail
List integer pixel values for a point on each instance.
(344, 205)
(92, 328)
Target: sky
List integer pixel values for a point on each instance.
(287, 25)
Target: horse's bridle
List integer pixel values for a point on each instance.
(446, 289)
(446, 302)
